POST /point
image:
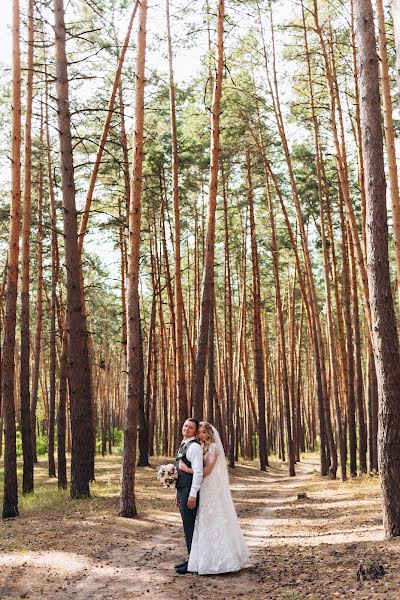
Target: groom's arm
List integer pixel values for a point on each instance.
(195, 455)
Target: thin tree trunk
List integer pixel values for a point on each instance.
(281, 327)
(257, 331)
(389, 134)
(26, 431)
(208, 275)
(180, 360)
(133, 387)
(39, 314)
(351, 414)
(55, 265)
(61, 415)
(358, 387)
(228, 300)
(396, 26)
(372, 411)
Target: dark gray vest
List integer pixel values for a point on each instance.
(184, 479)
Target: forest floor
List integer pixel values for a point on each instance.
(301, 549)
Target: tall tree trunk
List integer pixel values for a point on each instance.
(281, 327)
(146, 401)
(385, 340)
(61, 415)
(78, 356)
(26, 431)
(208, 274)
(228, 301)
(257, 331)
(389, 135)
(331, 330)
(133, 386)
(351, 408)
(211, 363)
(358, 387)
(55, 265)
(319, 352)
(396, 24)
(39, 314)
(180, 360)
(341, 157)
(372, 410)
(10, 500)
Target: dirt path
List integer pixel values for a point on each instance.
(300, 549)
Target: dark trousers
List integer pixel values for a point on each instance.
(188, 514)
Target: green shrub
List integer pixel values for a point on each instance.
(41, 445)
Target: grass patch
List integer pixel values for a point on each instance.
(105, 490)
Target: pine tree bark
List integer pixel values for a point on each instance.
(384, 328)
(133, 387)
(257, 331)
(281, 330)
(372, 411)
(396, 27)
(180, 360)
(208, 274)
(10, 499)
(351, 409)
(228, 313)
(331, 330)
(55, 265)
(358, 387)
(78, 356)
(26, 431)
(39, 314)
(62, 415)
(389, 135)
(319, 353)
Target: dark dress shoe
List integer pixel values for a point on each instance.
(182, 570)
(181, 564)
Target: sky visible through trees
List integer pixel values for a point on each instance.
(191, 45)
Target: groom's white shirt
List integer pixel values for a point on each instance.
(195, 456)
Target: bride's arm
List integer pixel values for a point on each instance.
(183, 467)
(212, 457)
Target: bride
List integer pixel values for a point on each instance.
(218, 544)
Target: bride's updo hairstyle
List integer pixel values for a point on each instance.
(210, 434)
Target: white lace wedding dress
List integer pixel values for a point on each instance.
(218, 544)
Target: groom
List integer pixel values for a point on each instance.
(188, 484)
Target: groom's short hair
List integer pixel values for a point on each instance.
(195, 421)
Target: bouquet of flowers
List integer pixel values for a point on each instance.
(167, 474)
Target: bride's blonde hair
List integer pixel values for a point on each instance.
(208, 427)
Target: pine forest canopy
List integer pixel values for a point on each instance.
(199, 227)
